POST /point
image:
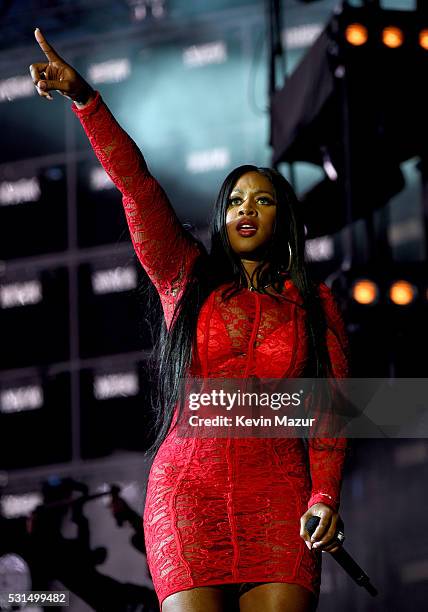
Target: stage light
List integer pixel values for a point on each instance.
(20, 504)
(298, 37)
(119, 384)
(203, 55)
(21, 294)
(402, 293)
(17, 399)
(423, 39)
(328, 166)
(356, 34)
(140, 9)
(19, 192)
(16, 87)
(114, 280)
(99, 180)
(207, 160)
(365, 291)
(111, 71)
(392, 37)
(320, 249)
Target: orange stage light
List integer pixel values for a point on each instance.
(392, 37)
(402, 293)
(356, 34)
(365, 292)
(423, 39)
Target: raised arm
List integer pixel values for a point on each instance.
(164, 248)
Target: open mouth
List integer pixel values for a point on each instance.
(246, 228)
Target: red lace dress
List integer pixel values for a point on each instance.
(223, 510)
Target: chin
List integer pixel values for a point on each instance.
(251, 252)
(245, 251)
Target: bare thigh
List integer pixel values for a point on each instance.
(278, 597)
(199, 599)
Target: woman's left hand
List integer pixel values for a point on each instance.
(323, 537)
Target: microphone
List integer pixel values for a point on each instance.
(345, 560)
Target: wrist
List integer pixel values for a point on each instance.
(84, 97)
(323, 498)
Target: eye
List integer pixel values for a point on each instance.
(264, 201)
(234, 201)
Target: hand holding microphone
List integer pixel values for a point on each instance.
(324, 535)
(344, 559)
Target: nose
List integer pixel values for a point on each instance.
(247, 208)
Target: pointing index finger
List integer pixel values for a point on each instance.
(49, 51)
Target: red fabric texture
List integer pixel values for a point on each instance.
(223, 510)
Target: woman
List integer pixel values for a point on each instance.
(221, 518)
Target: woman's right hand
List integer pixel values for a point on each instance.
(57, 74)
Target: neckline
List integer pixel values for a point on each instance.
(288, 283)
(289, 292)
(273, 294)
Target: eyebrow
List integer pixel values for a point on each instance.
(259, 191)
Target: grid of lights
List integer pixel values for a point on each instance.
(366, 292)
(391, 36)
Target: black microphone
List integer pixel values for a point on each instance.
(345, 560)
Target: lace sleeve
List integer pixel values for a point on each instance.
(326, 456)
(164, 248)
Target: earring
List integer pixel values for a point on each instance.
(290, 258)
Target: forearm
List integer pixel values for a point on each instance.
(327, 457)
(115, 149)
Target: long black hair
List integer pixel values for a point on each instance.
(173, 351)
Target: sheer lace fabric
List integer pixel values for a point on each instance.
(223, 510)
